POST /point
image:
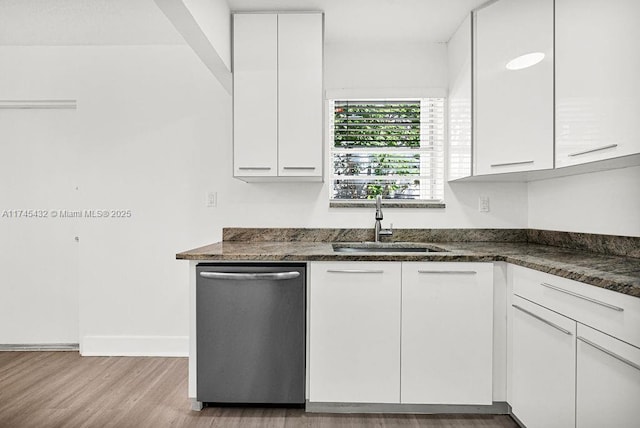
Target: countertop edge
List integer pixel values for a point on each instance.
(616, 282)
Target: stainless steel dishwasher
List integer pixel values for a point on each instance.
(250, 332)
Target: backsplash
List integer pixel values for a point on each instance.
(628, 246)
(605, 244)
(357, 235)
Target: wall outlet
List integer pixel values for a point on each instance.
(212, 199)
(483, 204)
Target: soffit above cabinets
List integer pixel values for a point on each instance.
(406, 21)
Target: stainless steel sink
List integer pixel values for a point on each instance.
(386, 247)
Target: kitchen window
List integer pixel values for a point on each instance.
(393, 148)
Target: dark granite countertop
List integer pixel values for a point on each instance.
(616, 273)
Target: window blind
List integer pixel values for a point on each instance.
(393, 148)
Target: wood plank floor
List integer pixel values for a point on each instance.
(62, 389)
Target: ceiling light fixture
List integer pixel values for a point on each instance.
(524, 61)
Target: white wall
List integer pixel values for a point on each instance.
(376, 66)
(306, 204)
(606, 202)
(152, 133)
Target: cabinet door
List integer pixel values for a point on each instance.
(597, 85)
(300, 94)
(542, 366)
(608, 381)
(255, 95)
(513, 109)
(354, 332)
(447, 333)
(459, 56)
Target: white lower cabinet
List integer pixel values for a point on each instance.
(568, 366)
(543, 366)
(375, 326)
(447, 333)
(608, 381)
(354, 332)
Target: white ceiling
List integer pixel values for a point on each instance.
(84, 22)
(377, 20)
(140, 22)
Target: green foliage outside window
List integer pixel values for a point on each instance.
(373, 125)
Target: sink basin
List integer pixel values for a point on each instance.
(385, 247)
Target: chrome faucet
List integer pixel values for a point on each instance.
(379, 231)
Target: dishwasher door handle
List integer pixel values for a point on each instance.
(273, 276)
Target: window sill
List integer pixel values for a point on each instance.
(386, 203)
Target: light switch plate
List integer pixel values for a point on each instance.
(212, 199)
(483, 204)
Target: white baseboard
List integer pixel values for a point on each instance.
(134, 346)
(39, 347)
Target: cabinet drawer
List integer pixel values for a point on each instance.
(610, 312)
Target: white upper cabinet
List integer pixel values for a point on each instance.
(597, 84)
(277, 99)
(255, 95)
(513, 108)
(300, 94)
(459, 54)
